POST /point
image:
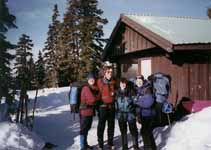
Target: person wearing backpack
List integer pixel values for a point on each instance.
(139, 82)
(125, 110)
(147, 115)
(106, 110)
(88, 100)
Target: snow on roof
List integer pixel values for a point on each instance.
(178, 30)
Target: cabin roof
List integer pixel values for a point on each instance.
(169, 33)
(177, 30)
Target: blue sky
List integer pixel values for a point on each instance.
(34, 16)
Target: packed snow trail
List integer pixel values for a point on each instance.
(52, 117)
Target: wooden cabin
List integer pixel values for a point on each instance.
(180, 47)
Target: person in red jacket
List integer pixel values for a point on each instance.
(89, 97)
(106, 111)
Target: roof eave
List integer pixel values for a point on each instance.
(192, 46)
(155, 38)
(113, 34)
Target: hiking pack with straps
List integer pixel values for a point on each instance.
(162, 86)
(75, 96)
(161, 83)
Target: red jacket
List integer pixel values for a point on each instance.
(106, 90)
(89, 97)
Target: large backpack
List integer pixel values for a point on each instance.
(161, 86)
(75, 96)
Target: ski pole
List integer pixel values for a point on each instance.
(168, 119)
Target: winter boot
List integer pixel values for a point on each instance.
(99, 147)
(111, 147)
(82, 142)
(135, 143)
(88, 147)
(124, 142)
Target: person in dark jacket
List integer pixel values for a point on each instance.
(147, 116)
(139, 82)
(106, 112)
(89, 97)
(125, 110)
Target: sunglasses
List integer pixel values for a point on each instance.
(109, 72)
(139, 77)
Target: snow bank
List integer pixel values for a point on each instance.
(17, 137)
(192, 132)
(47, 91)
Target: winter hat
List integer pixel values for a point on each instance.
(90, 76)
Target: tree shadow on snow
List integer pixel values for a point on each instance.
(58, 129)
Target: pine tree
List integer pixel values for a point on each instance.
(52, 50)
(40, 71)
(91, 32)
(31, 76)
(82, 38)
(23, 58)
(39, 80)
(6, 21)
(69, 58)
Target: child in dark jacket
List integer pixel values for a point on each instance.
(126, 114)
(147, 114)
(89, 97)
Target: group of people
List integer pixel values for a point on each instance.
(121, 100)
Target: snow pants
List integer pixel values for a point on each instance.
(146, 132)
(85, 126)
(106, 115)
(133, 131)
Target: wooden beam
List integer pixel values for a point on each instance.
(192, 46)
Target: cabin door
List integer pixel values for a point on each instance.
(145, 67)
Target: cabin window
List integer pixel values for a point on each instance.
(146, 67)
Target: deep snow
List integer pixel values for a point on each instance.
(16, 137)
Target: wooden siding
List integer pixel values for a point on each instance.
(134, 41)
(188, 80)
(128, 41)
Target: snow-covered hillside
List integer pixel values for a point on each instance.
(55, 124)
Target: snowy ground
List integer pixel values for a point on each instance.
(54, 124)
(16, 137)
